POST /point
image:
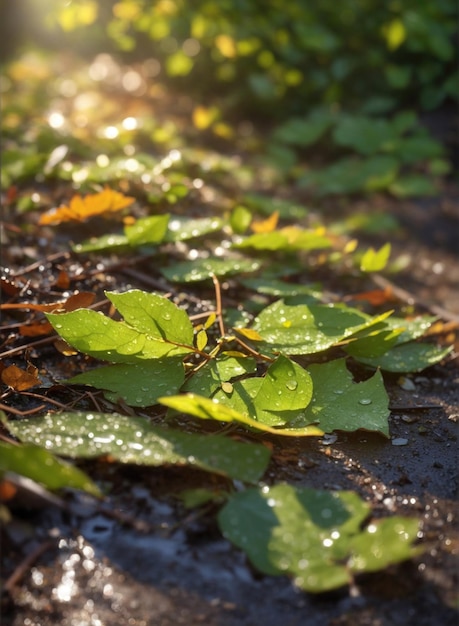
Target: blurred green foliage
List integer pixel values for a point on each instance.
(334, 93)
(278, 58)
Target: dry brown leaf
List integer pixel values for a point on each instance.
(35, 329)
(19, 379)
(79, 300)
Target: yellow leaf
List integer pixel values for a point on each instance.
(201, 340)
(249, 333)
(267, 225)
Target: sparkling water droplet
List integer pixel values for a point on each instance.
(365, 401)
(292, 385)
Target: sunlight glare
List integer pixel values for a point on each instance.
(56, 119)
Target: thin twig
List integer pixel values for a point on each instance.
(218, 303)
(27, 563)
(34, 266)
(10, 409)
(409, 298)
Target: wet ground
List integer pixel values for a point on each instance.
(142, 559)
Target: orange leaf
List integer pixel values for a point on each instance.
(267, 225)
(80, 209)
(376, 297)
(36, 329)
(63, 280)
(19, 379)
(7, 490)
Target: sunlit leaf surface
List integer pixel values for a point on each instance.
(135, 440)
(204, 408)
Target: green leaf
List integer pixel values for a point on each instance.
(184, 228)
(209, 378)
(375, 260)
(41, 466)
(147, 230)
(374, 344)
(99, 244)
(202, 269)
(267, 205)
(352, 174)
(340, 404)
(366, 135)
(204, 408)
(273, 400)
(412, 186)
(313, 536)
(153, 328)
(103, 338)
(240, 219)
(299, 131)
(302, 329)
(135, 440)
(408, 357)
(137, 384)
(288, 239)
(154, 315)
(280, 288)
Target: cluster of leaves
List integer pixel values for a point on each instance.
(259, 377)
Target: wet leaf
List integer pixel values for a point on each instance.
(183, 228)
(137, 384)
(340, 404)
(203, 269)
(274, 399)
(154, 315)
(43, 467)
(302, 329)
(408, 357)
(222, 369)
(281, 289)
(163, 327)
(147, 230)
(314, 536)
(135, 440)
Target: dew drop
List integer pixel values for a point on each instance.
(292, 385)
(365, 401)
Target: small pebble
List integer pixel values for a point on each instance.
(406, 383)
(399, 441)
(409, 419)
(327, 440)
